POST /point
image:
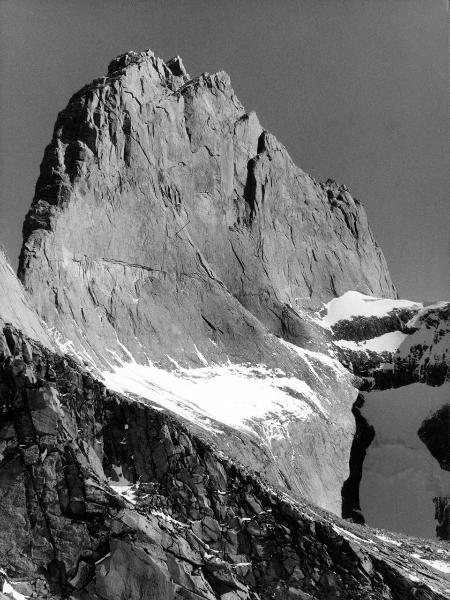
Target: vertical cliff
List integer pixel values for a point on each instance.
(16, 309)
(170, 231)
(164, 213)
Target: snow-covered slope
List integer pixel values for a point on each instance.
(355, 304)
(287, 422)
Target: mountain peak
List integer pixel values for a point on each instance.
(196, 368)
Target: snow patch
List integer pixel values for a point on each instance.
(10, 591)
(66, 346)
(168, 518)
(384, 538)
(126, 491)
(230, 394)
(354, 304)
(388, 342)
(349, 534)
(200, 356)
(250, 398)
(121, 485)
(440, 565)
(307, 355)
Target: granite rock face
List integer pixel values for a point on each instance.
(168, 225)
(16, 308)
(165, 213)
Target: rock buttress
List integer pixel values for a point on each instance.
(164, 212)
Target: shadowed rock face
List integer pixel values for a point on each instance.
(434, 433)
(165, 213)
(364, 434)
(102, 497)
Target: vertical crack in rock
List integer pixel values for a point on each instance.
(250, 191)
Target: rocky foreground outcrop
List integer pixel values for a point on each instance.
(107, 498)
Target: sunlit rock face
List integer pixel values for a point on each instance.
(401, 352)
(167, 217)
(170, 230)
(16, 309)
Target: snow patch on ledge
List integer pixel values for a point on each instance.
(126, 491)
(439, 565)
(121, 485)
(354, 304)
(388, 342)
(234, 395)
(310, 356)
(387, 539)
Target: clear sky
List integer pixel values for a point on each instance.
(357, 90)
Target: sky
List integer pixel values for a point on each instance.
(357, 90)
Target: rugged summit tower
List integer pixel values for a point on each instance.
(164, 212)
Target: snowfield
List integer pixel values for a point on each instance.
(10, 591)
(228, 394)
(388, 342)
(400, 476)
(354, 304)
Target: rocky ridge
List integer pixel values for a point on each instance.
(108, 498)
